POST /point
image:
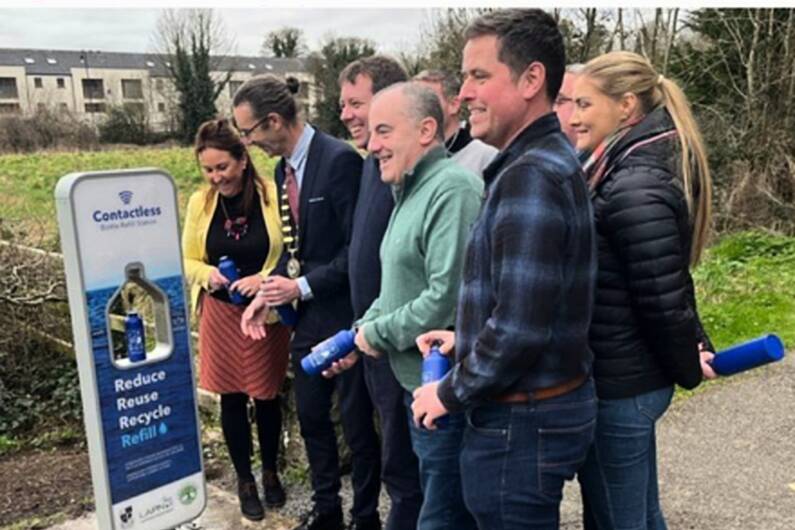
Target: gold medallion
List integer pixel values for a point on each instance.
(293, 268)
(290, 236)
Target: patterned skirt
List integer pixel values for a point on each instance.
(230, 362)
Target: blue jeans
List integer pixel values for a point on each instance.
(619, 478)
(516, 458)
(439, 454)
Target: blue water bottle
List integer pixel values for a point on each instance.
(328, 351)
(434, 367)
(747, 355)
(227, 267)
(287, 314)
(134, 333)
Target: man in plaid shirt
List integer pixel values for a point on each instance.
(523, 366)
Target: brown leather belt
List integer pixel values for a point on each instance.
(541, 394)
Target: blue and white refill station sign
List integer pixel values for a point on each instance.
(120, 240)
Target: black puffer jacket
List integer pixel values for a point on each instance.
(645, 328)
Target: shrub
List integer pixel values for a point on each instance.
(126, 125)
(45, 130)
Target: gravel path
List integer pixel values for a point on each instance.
(726, 456)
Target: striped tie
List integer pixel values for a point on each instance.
(291, 185)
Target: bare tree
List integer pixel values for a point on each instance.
(671, 29)
(443, 36)
(738, 68)
(413, 62)
(284, 42)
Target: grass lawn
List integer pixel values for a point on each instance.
(27, 205)
(746, 287)
(745, 283)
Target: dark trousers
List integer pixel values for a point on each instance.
(399, 465)
(313, 396)
(516, 457)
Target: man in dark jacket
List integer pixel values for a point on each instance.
(521, 339)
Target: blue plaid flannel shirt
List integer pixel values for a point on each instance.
(528, 282)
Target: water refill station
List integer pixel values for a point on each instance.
(120, 240)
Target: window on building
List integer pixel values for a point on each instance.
(63, 107)
(137, 108)
(303, 90)
(159, 84)
(9, 108)
(132, 89)
(8, 88)
(233, 86)
(95, 107)
(161, 107)
(41, 107)
(61, 82)
(93, 89)
(37, 82)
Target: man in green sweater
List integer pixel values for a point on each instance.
(422, 256)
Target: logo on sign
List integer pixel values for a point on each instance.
(126, 518)
(139, 213)
(188, 494)
(126, 196)
(163, 507)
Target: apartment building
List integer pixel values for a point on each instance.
(87, 83)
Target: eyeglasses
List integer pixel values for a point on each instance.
(245, 133)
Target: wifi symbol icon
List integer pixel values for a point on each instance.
(125, 196)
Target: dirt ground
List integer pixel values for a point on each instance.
(39, 484)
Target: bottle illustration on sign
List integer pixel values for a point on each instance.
(136, 344)
(138, 320)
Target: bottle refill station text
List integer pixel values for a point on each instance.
(120, 240)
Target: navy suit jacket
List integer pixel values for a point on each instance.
(327, 200)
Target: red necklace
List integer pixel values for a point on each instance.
(235, 228)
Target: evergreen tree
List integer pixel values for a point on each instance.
(326, 66)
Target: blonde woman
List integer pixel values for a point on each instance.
(651, 189)
(237, 216)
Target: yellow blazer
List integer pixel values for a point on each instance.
(194, 239)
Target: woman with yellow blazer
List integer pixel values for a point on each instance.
(237, 216)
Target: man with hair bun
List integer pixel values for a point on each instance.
(318, 179)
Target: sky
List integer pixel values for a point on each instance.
(131, 30)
